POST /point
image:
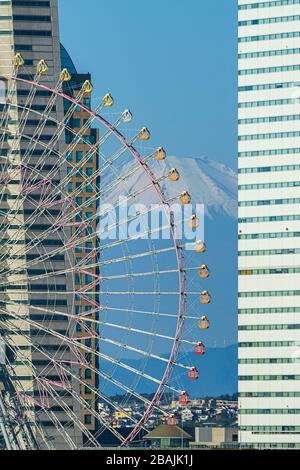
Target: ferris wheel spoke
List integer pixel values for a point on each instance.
(141, 332)
(36, 137)
(72, 342)
(136, 372)
(16, 347)
(108, 162)
(93, 284)
(85, 318)
(38, 260)
(61, 125)
(24, 115)
(132, 196)
(98, 322)
(128, 390)
(142, 274)
(46, 387)
(127, 347)
(70, 413)
(19, 290)
(76, 241)
(49, 148)
(88, 179)
(146, 293)
(136, 256)
(44, 117)
(143, 312)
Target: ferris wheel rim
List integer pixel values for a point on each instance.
(180, 260)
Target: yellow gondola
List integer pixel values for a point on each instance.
(194, 221)
(19, 61)
(160, 154)
(205, 297)
(145, 134)
(107, 100)
(173, 175)
(203, 323)
(87, 87)
(185, 198)
(200, 247)
(65, 75)
(42, 66)
(204, 271)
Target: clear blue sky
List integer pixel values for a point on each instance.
(172, 62)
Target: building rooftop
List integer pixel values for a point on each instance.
(163, 431)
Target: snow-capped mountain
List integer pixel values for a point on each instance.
(214, 185)
(209, 183)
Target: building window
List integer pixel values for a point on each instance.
(24, 32)
(79, 156)
(29, 3)
(32, 18)
(87, 419)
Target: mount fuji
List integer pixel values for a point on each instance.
(215, 186)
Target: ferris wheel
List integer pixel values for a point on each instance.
(96, 307)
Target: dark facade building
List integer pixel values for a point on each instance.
(84, 158)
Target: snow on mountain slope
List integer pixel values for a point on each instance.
(214, 185)
(209, 183)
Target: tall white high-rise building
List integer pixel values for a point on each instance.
(269, 223)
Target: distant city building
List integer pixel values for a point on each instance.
(215, 437)
(165, 436)
(176, 404)
(269, 236)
